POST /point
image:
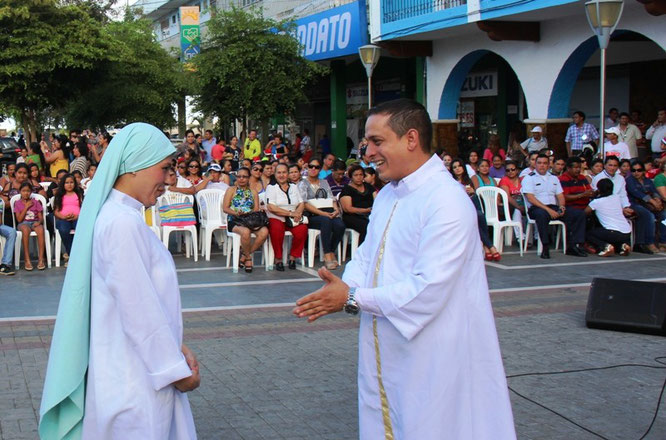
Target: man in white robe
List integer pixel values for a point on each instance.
(431, 368)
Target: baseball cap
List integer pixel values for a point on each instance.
(537, 129)
(613, 130)
(214, 167)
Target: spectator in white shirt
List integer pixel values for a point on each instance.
(629, 134)
(614, 234)
(657, 132)
(613, 147)
(612, 119)
(536, 143)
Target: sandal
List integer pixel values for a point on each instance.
(489, 256)
(241, 261)
(497, 256)
(41, 266)
(28, 268)
(331, 265)
(248, 265)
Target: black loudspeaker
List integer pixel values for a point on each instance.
(627, 306)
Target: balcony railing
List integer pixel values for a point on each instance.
(395, 10)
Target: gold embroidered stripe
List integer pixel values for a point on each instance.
(386, 414)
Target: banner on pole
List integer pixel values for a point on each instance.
(190, 33)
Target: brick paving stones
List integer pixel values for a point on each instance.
(267, 375)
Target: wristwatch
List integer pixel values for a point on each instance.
(351, 306)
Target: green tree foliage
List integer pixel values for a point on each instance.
(137, 81)
(46, 47)
(250, 67)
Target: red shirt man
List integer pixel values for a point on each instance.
(576, 188)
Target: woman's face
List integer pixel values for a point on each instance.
(56, 144)
(148, 183)
(511, 170)
(484, 168)
(34, 172)
(597, 167)
(256, 171)
(313, 168)
(457, 169)
(625, 168)
(473, 157)
(234, 141)
(11, 170)
(193, 168)
(227, 167)
(369, 178)
(69, 184)
(281, 174)
(583, 164)
(242, 179)
(294, 174)
(497, 162)
(171, 178)
(447, 160)
(357, 177)
(76, 152)
(21, 175)
(268, 170)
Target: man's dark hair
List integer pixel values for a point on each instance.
(404, 115)
(625, 114)
(580, 113)
(209, 131)
(605, 187)
(612, 108)
(572, 160)
(339, 165)
(188, 132)
(612, 157)
(542, 156)
(77, 173)
(533, 153)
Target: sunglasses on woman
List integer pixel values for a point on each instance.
(508, 170)
(637, 170)
(314, 167)
(193, 166)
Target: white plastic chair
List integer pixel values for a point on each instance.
(211, 217)
(233, 250)
(488, 196)
(45, 185)
(313, 234)
(170, 198)
(153, 218)
(561, 231)
(47, 236)
(288, 237)
(355, 237)
(3, 240)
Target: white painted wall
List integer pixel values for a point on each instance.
(537, 65)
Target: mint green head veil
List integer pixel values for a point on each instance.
(137, 146)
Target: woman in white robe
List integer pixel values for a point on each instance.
(119, 316)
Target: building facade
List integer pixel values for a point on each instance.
(497, 64)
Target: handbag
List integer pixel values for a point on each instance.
(321, 201)
(253, 221)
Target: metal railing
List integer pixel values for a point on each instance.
(395, 10)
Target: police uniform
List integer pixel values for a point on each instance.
(546, 188)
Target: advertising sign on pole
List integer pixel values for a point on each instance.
(190, 33)
(467, 114)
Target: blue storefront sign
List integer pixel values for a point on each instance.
(333, 33)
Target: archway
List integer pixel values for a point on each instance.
(485, 94)
(560, 103)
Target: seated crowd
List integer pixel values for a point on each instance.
(283, 189)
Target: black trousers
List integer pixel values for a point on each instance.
(358, 223)
(574, 219)
(600, 237)
(331, 231)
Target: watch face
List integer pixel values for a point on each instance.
(352, 309)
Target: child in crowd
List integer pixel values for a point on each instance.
(91, 173)
(30, 217)
(66, 208)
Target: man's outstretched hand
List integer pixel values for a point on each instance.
(329, 299)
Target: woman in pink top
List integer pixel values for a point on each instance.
(493, 149)
(511, 184)
(66, 208)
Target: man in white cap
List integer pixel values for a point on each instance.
(536, 143)
(613, 146)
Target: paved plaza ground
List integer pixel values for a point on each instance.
(268, 375)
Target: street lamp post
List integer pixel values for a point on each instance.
(603, 16)
(369, 57)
